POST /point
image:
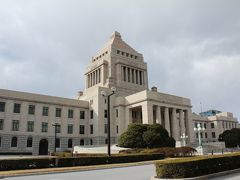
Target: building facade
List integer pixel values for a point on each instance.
(214, 124)
(27, 120)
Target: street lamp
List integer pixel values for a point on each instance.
(198, 130)
(103, 93)
(55, 135)
(184, 138)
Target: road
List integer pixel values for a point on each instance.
(235, 176)
(143, 172)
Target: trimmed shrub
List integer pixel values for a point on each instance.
(167, 151)
(14, 164)
(146, 136)
(85, 161)
(197, 166)
(17, 164)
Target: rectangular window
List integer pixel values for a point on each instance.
(105, 113)
(58, 128)
(201, 134)
(206, 136)
(205, 125)
(44, 127)
(223, 124)
(31, 109)
(82, 114)
(70, 113)
(117, 129)
(1, 124)
(91, 129)
(15, 125)
(81, 129)
(30, 126)
(105, 128)
(195, 125)
(45, 111)
(91, 114)
(58, 112)
(70, 129)
(2, 106)
(213, 135)
(116, 112)
(17, 108)
(212, 125)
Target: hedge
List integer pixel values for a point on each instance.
(197, 166)
(167, 151)
(84, 161)
(28, 163)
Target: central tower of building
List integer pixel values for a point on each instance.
(119, 65)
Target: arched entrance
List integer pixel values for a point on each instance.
(43, 147)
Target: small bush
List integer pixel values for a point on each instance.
(197, 166)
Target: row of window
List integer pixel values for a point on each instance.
(229, 124)
(126, 54)
(204, 124)
(14, 142)
(100, 56)
(44, 128)
(45, 110)
(206, 135)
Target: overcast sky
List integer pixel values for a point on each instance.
(192, 47)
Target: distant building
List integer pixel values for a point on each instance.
(214, 125)
(210, 113)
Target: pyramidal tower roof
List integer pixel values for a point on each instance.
(115, 42)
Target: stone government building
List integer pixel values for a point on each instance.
(26, 119)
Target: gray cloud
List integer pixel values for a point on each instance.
(191, 47)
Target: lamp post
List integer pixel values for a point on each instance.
(113, 89)
(184, 138)
(55, 135)
(198, 130)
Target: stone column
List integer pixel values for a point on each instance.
(182, 122)
(91, 80)
(175, 125)
(130, 74)
(147, 113)
(166, 120)
(126, 74)
(99, 75)
(158, 115)
(102, 74)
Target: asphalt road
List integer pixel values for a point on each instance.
(235, 176)
(126, 173)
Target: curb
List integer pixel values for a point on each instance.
(209, 176)
(30, 172)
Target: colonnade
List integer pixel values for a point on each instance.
(174, 120)
(132, 75)
(94, 77)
